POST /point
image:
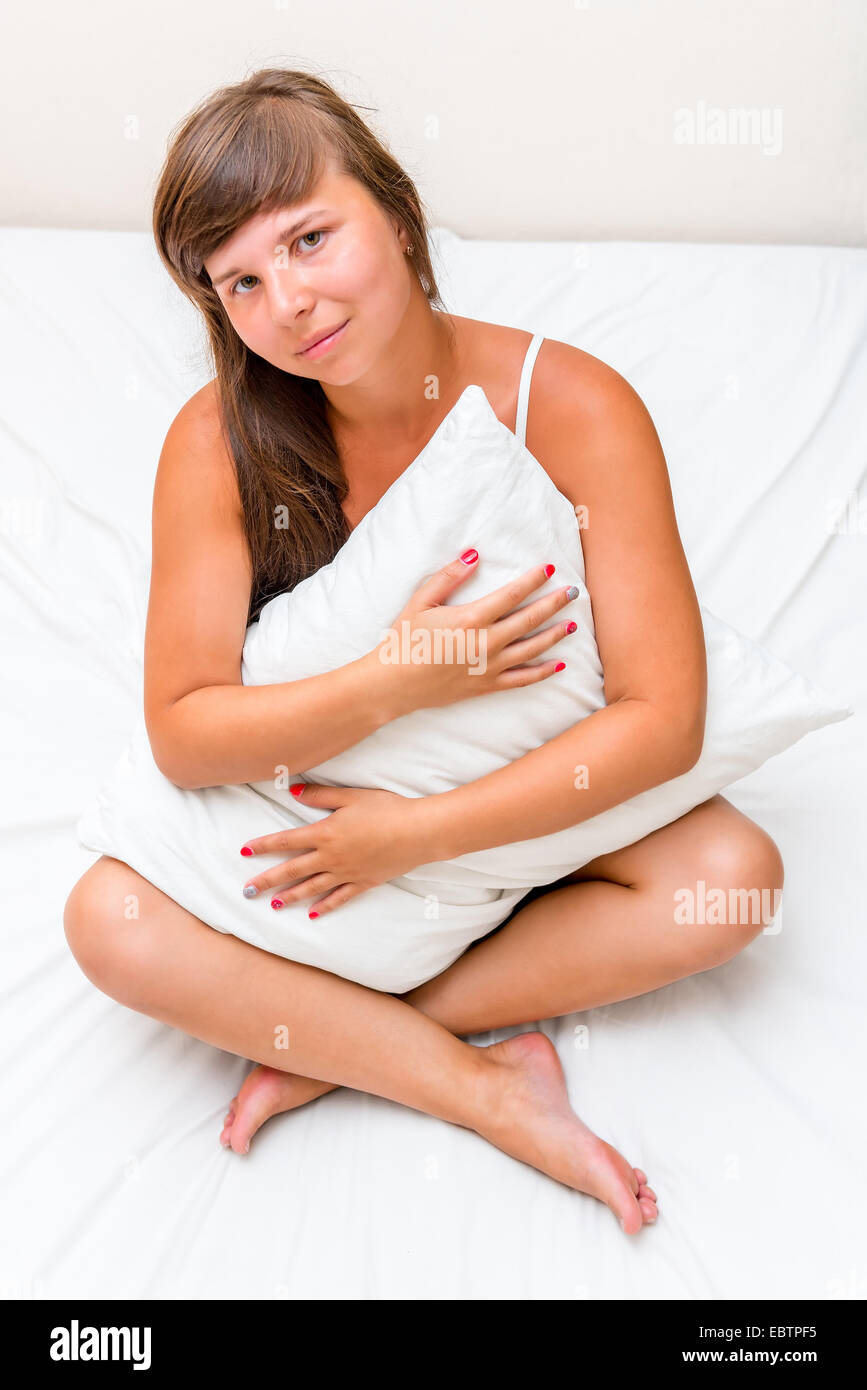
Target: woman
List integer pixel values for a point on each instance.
(286, 222)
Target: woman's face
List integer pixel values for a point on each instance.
(287, 277)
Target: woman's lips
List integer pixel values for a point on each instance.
(319, 349)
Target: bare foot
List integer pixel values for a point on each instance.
(526, 1112)
(266, 1092)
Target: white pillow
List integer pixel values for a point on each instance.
(473, 484)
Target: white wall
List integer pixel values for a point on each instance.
(536, 119)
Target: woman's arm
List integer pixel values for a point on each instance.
(599, 445)
(205, 727)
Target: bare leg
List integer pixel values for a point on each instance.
(162, 961)
(608, 934)
(611, 932)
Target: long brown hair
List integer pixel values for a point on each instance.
(252, 147)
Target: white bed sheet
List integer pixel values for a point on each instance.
(736, 1090)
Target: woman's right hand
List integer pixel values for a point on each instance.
(442, 652)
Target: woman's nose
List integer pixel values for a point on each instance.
(288, 298)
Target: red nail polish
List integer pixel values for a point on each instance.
(277, 902)
(245, 849)
(297, 788)
(313, 914)
(561, 666)
(470, 557)
(572, 627)
(549, 570)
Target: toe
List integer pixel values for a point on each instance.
(632, 1220)
(641, 1176)
(616, 1185)
(239, 1142)
(645, 1191)
(629, 1211)
(648, 1209)
(228, 1122)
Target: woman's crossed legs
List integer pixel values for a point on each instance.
(610, 931)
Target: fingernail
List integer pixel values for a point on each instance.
(247, 1148)
(313, 914)
(572, 591)
(470, 557)
(571, 627)
(297, 788)
(561, 666)
(250, 891)
(245, 849)
(549, 570)
(277, 902)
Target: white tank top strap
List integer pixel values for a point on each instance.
(524, 388)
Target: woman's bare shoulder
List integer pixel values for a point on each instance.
(571, 374)
(196, 452)
(202, 411)
(580, 410)
(562, 374)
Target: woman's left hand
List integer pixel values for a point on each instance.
(370, 837)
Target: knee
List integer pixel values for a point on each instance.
(105, 932)
(734, 891)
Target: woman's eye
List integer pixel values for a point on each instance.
(307, 234)
(240, 281)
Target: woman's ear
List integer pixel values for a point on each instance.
(400, 232)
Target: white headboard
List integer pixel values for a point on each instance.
(662, 120)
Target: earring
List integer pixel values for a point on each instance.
(410, 249)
